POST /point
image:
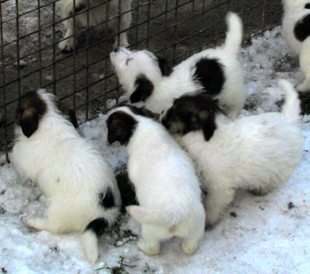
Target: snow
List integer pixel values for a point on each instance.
(268, 234)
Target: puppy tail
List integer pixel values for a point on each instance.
(90, 238)
(291, 107)
(234, 33)
(161, 217)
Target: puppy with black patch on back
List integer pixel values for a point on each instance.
(296, 31)
(257, 153)
(218, 72)
(166, 185)
(78, 182)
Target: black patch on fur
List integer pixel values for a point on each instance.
(79, 8)
(302, 29)
(127, 190)
(120, 127)
(30, 111)
(72, 118)
(107, 200)
(143, 112)
(164, 66)
(191, 113)
(98, 226)
(210, 73)
(143, 91)
(307, 6)
(68, 113)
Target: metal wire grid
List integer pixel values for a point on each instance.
(30, 58)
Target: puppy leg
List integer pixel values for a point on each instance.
(149, 242)
(216, 202)
(67, 45)
(304, 59)
(57, 219)
(125, 21)
(68, 9)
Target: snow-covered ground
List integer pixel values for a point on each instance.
(267, 234)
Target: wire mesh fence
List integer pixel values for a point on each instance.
(30, 33)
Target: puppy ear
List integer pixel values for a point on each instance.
(207, 123)
(120, 127)
(143, 91)
(164, 66)
(113, 132)
(29, 121)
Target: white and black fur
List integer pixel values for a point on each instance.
(78, 182)
(296, 30)
(216, 72)
(166, 185)
(89, 13)
(256, 153)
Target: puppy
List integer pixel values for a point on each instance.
(217, 72)
(164, 178)
(296, 30)
(77, 180)
(89, 13)
(257, 153)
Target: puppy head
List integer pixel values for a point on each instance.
(138, 71)
(30, 111)
(190, 113)
(121, 126)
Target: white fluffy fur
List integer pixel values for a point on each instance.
(257, 153)
(180, 81)
(97, 14)
(70, 172)
(294, 11)
(166, 187)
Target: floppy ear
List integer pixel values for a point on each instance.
(164, 66)
(120, 127)
(29, 122)
(114, 133)
(143, 91)
(207, 123)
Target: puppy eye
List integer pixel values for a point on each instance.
(128, 60)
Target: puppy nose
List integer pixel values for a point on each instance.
(117, 49)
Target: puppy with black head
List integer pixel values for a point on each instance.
(164, 177)
(256, 153)
(77, 180)
(149, 80)
(296, 30)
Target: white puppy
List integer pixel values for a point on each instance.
(296, 30)
(164, 177)
(217, 72)
(257, 153)
(77, 180)
(90, 13)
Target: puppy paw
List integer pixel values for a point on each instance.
(67, 46)
(36, 223)
(148, 248)
(189, 246)
(304, 87)
(260, 191)
(211, 220)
